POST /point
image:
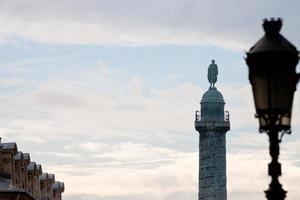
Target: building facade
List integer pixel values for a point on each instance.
(22, 179)
(212, 123)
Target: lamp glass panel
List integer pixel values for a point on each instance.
(273, 93)
(264, 120)
(281, 92)
(286, 121)
(260, 92)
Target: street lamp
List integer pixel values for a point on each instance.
(272, 73)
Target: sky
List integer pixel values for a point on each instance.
(103, 93)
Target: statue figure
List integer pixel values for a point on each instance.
(212, 73)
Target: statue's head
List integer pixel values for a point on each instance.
(213, 61)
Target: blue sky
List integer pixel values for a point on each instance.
(103, 93)
(155, 64)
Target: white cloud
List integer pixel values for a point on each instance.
(247, 174)
(87, 147)
(21, 66)
(136, 22)
(135, 85)
(12, 82)
(121, 180)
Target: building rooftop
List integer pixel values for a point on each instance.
(8, 146)
(6, 186)
(26, 156)
(19, 156)
(31, 166)
(22, 179)
(44, 177)
(58, 186)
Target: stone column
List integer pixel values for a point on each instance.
(212, 123)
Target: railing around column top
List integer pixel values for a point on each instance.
(198, 116)
(226, 116)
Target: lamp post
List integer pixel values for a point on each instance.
(272, 73)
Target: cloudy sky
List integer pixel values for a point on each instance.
(103, 93)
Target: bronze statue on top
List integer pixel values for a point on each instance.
(212, 73)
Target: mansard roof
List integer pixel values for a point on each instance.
(7, 188)
(9, 146)
(5, 185)
(51, 176)
(57, 185)
(19, 156)
(39, 167)
(44, 177)
(31, 166)
(26, 156)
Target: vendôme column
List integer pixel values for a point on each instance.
(212, 123)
